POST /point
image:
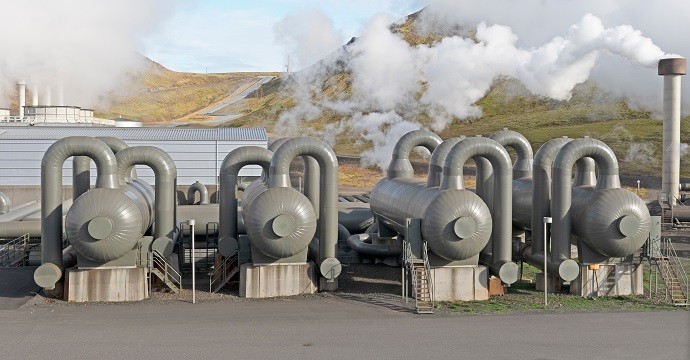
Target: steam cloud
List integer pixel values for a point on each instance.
(87, 47)
(393, 83)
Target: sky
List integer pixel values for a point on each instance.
(239, 35)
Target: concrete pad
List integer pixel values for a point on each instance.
(608, 280)
(17, 286)
(553, 283)
(274, 280)
(464, 283)
(117, 284)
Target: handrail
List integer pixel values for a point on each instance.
(223, 270)
(9, 251)
(425, 256)
(157, 260)
(670, 253)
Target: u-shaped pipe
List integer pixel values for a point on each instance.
(227, 198)
(165, 173)
(279, 176)
(5, 203)
(311, 174)
(400, 166)
(81, 166)
(518, 142)
(50, 271)
(203, 193)
(501, 258)
(438, 159)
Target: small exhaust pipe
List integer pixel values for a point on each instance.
(671, 69)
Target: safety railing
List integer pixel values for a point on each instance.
(14, 252)
(670, 253)
(159, 266)
(221, 273)
(425, 257)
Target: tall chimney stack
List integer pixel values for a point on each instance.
(47, 101)
(34, 96)
(671, 69)
(22, 97)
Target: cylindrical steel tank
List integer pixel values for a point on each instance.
(105, 224)
(280, 222)
(455, 223)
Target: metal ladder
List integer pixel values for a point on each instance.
(422, 284)
(160, 267)
(225, 271)
(14, 252)
(673, 274)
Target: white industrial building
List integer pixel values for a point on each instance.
(198, 153)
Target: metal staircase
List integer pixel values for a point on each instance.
(673, 274)
(422, 284)
(225, 271)
(160, 267)
(15, 252)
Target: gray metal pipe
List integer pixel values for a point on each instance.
(227, 198)
(81, 167)
(165, 173)
(586, 172)
(5, 203)
(36, 215)
(203, 193)
(541, 189)
(361, 244)
(400, 166)
(561, 191)
(50, 272)
(13, 229)
(518, 142)
(438, 159)
(501, 257)
(279, 176)
(311, 174)
(21, 212)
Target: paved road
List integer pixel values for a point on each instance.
(17, 286)
(222, 118)
(330, 327)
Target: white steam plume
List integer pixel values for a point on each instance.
(392, 80)
(307, 36)
(87, 47)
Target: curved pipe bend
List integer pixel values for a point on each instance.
(438, 159)
(561, 187)
(502, 210)
(165, 172)
(311, 174)
(227, 197)
(360, 245)
(279, 176)
(523, 150)
(51, 195)
(400, 166)
(203, 193)
(81, 167)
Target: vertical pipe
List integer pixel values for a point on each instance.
(22, 97)
(47, 101)
(671, 70)
(81, 175)
(34, 96)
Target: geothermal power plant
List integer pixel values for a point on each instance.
(139, 207)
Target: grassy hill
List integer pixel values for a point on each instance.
(159, 95)
(635, 135)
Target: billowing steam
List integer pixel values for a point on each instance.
(87, 47)
(393, 84)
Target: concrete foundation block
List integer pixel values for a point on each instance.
(608, 280)
(116, 284)
(466, 283)
(273, 280)
(553, 283)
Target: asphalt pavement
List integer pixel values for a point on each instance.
(330, 327)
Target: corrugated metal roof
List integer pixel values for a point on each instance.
(143, 133)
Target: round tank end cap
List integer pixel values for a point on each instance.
(283, 225)
(330, 268)
(509, 272)
(100, 227)
(227, 245)
(569, 270)
(628, 225)
(47, 275)
(464, 227)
